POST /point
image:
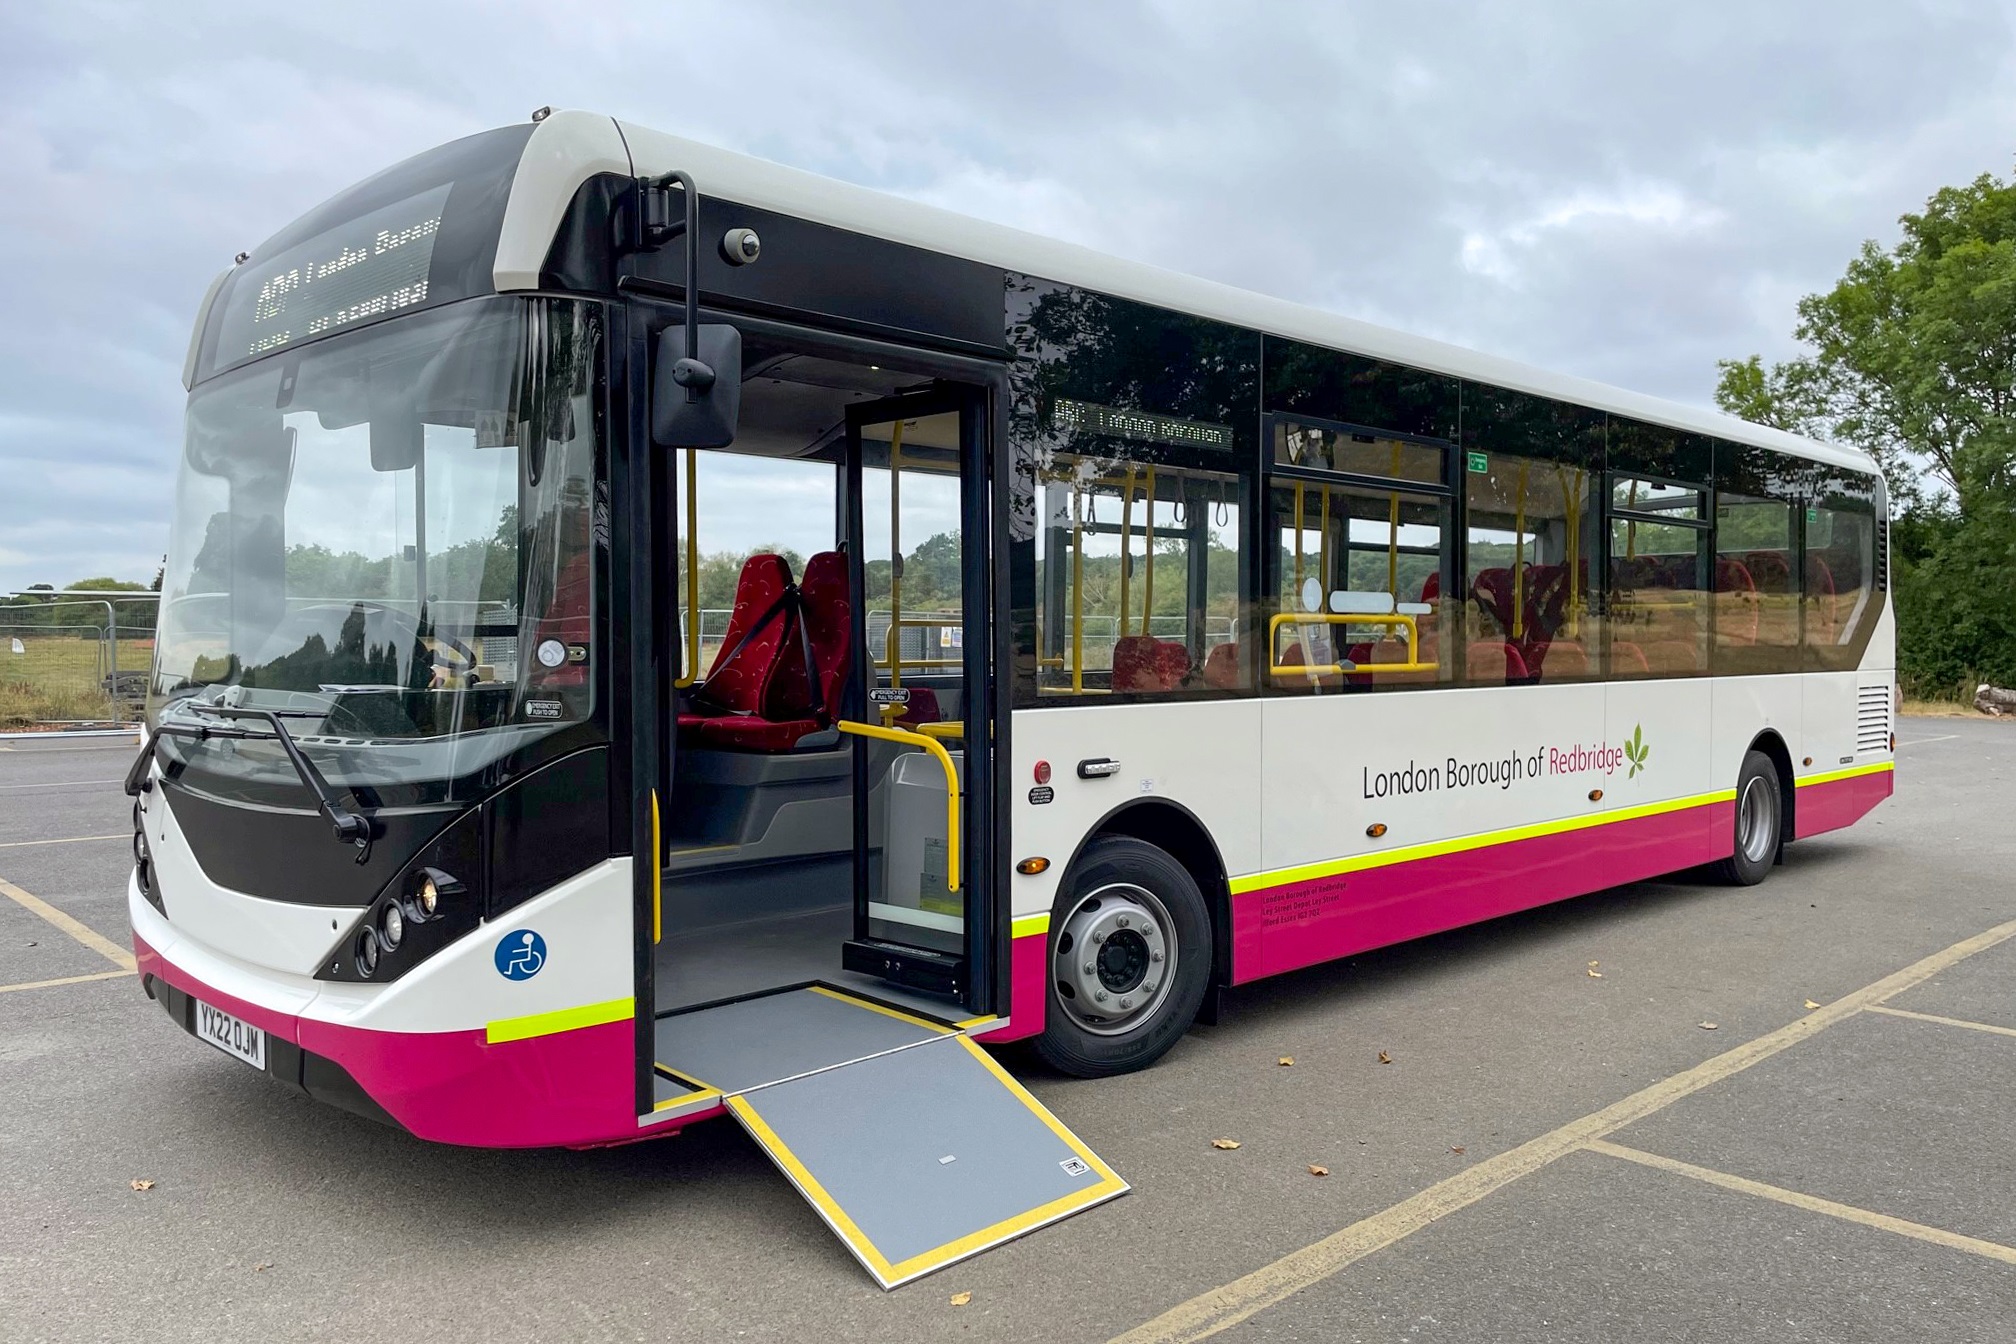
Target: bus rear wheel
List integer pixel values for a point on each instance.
(1129, 958)
(1759, 823)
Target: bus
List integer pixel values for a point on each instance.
(652, 634)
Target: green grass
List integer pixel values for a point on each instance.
(59, 677)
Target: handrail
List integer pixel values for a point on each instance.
(1408, 623)
(944, 757)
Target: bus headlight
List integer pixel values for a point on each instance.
(367, 951)
(427, 888)
(392, 927)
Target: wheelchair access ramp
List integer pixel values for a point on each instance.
(914, 1146)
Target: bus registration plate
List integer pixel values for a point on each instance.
(230, 1035)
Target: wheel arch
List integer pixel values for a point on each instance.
(1771, 744)
(1176, 830)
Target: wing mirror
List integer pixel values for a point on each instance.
(696, 396)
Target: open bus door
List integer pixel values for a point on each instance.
(843, 1035)
(922, 683)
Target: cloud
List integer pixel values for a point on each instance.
(1622, 192)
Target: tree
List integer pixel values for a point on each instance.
(1913, 354)
(1912, 358)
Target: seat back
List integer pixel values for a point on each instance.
(828, 614)
(1490, 660)
(739, 680)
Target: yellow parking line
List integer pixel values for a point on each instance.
(1888, 1011)
(92, 939)
(66, 840)
(1993, 1250)
(1221, 1308)
(66, 980)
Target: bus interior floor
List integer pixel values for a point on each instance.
(728, 961)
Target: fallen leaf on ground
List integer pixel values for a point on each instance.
(961, 1299)
(1707, 1026)
(1595, 974)
(1225, 1143)
(262, 1268)
(1315, 1170)
(143, 1185)
(1385, 1058)
(1458, 1150)
(1811, 1004)
(1285, 1060)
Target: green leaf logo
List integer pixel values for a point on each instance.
(1636, 751)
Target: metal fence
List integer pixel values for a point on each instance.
(68, 660)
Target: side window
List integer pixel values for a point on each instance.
(1358, 563)
(1757, 586)
(1137, 576)
(1533, 543)
(1843, 597)
(1659, 590)
(1131, 435)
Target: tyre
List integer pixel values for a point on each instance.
(1130, 958)
(1759, 823)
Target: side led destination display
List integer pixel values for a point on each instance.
(364, 268)
(1083, 417)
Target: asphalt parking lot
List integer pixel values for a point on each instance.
(1549, 1155)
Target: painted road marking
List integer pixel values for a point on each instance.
(66, 980)
(63, 784)
(1223, 1307)
(1921, 741)
(1888, 1011)
(1993, 1250)
(92, 939)
(66, 840)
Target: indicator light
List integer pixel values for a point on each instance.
(1032, 866)
(1595, 795)
(1376, 829)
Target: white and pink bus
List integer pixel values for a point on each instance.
(650, 633)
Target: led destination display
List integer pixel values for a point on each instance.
(363, 268)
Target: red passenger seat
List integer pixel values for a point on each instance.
(1221, 667)
(1492, 661)
(1145, 663)
(1627, 659)
(1562, 660)
(783, 668)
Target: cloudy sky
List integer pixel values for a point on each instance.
(1626, 192)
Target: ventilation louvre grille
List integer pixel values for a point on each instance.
(1882, 555)
(1872, 719)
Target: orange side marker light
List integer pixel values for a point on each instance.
(1031, 866)
(1376, 829)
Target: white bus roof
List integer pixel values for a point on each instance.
(568, 148)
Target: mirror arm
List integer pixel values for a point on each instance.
(690, 373)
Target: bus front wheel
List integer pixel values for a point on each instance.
(1129, 957)
(1759, 820)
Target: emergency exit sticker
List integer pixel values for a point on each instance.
(1480, 463)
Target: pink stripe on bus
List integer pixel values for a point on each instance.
(1298, 924)
(1840, 802)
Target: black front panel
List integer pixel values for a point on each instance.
(294, 856)
(549, 826)
(460, 232)
(815, 273)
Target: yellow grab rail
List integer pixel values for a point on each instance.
(944, 758)
(1389, 620)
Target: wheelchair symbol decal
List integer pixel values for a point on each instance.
(520, 955)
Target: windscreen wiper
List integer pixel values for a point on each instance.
(350, 827)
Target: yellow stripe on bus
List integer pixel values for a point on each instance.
(1482, 840)
(1028, 926)
(1829, 776)
(564, 1019)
